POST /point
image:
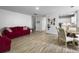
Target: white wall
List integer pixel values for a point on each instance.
(8, 18)
(77, 18)
(65, 20)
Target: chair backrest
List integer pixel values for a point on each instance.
(61, 34)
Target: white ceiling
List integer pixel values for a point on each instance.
(44, 10)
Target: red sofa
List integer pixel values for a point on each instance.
(14, 32)
(5, 44)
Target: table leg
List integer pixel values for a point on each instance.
(73, 42)
(65, 44)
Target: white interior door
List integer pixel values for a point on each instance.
(38, 23)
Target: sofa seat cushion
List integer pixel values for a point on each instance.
(9, 34)
(5, 44)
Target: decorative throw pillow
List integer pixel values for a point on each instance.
(9, 29)
(25, 28)
(30, 31)
(0, 34)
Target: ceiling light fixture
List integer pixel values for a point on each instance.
(37, 8)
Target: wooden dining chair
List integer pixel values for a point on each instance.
(61, 36)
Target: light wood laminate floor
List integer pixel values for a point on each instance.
(37, 42)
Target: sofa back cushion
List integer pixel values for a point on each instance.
(16, 28)
(19, 28)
